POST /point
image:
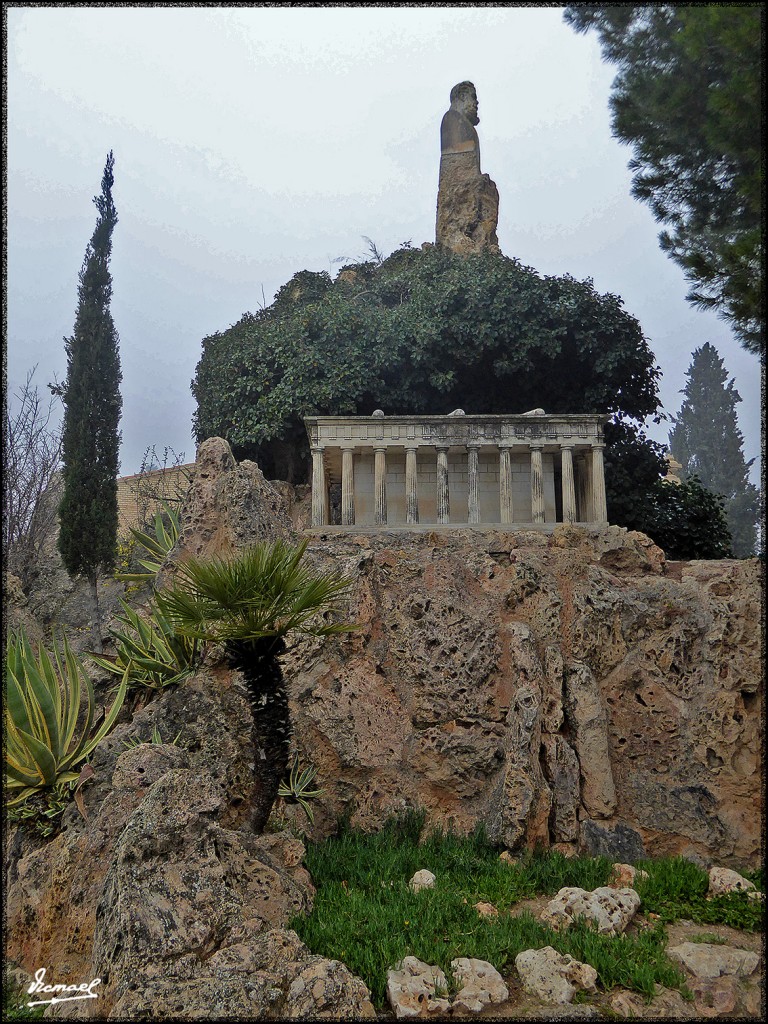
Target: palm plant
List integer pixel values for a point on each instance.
(250, 602)
(47, 738)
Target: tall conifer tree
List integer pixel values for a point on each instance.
(92, 407)
(707, 441)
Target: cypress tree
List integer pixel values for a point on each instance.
(706, 440)
(92, 407)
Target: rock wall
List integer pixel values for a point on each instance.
(572, 688)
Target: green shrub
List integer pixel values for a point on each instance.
(47, 737)
(677, 889)
(149, 651)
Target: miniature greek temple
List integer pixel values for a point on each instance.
(526, 470)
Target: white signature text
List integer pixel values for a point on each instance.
(38, 986)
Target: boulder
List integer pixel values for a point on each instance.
(412, 988)
(479, 984)
(708, 960)
(422, 880)
(610, 909)
(624, 875)
(722, 880)
(554, 977)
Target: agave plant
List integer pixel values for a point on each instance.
(149, 651)
(159, 545)
(47, 737)
(297, 789)
(250, 602)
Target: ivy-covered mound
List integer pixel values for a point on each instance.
(426, 331)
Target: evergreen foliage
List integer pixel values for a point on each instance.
(92, 406)
(687, 98)
(706, 440)
(423, 332)
(686, 520)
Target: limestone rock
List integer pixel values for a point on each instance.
(624, 875)
(446, 696)
(722, 880)
(586, 712)
(554, 977)
(412, 986)
(611, 909)
(422, 880)
(479, 984)
(706, 960)
(666, 1003)
(561, 769)
(486, 909)
(259, 976)
(598, 839)
(228, 505)
(715, 997)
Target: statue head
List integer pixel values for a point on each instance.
(464, 100)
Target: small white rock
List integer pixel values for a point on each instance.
(422, 880)
(725, 880)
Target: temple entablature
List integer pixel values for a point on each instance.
(517, 470)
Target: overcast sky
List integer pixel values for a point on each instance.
(254, 142)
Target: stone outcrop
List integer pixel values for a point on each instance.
(163, 892)
(575, 688)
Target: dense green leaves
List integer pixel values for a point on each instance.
(686, 520)
(92, 406)
(687, 97)
(707, 442)
(424, 331)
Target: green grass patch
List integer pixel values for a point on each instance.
(366, 916)
(676, 890)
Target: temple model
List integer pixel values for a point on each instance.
(467, 200)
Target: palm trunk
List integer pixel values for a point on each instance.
(259, 661)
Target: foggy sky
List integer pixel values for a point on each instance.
(251, 143)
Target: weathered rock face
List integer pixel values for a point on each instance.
(565, 689)
(163, 892)
(229, 505)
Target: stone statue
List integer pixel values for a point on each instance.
(467, 200)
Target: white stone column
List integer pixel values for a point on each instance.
(443, 498)
(584, 483)
(569, 491)
(599, 505)
(347, 487)
(537, 485)
(319, 489)
(473, 495)
(380, 485)
(411, 487)
(505, 484)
